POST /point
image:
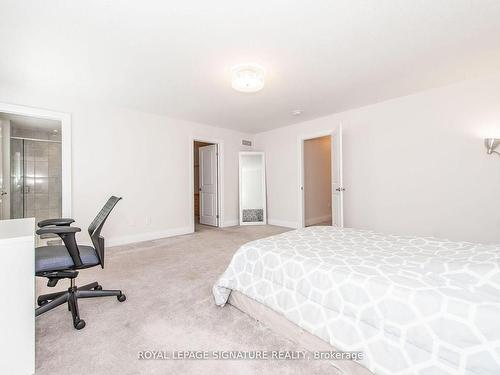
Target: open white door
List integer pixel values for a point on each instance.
(337, 183)
(208, 185)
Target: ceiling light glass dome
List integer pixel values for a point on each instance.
(247, 78)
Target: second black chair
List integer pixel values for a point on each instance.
(62, 262)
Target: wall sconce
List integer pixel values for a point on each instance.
(491, 144)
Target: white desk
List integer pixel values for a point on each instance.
(17, 291)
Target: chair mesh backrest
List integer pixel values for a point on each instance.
(96, 225)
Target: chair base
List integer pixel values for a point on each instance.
(50, 301)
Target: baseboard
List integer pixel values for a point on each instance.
(282, 223)
(230, 223)
(317, 220)
(140, 237)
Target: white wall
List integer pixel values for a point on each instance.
(144, 158)
(317, 180)
(412, 165)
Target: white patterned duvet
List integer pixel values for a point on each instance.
(412, 305)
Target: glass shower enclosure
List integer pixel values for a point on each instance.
(35, 178)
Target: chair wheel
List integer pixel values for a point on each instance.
(98, 287)
(121, 297)
(80, 324)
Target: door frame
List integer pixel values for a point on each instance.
(300, 188)
(5, 166)
(66, 173)
(220, 178)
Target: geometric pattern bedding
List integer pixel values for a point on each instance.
(411, 305)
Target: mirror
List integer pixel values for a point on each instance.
(252, 188)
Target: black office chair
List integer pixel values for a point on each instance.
(61, 262)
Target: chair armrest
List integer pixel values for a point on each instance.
(67, 234)
(57, 230)
(59, 222)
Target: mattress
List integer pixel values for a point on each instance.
(411, 305)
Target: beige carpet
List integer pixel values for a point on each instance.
(169, 307)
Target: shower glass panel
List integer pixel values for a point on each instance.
(16, 179)
(35, 178)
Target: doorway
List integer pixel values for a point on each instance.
(31, 167)
(206, 185)
(320, 191)
(317, 181)
(35, 161)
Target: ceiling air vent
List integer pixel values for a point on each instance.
(244, 142)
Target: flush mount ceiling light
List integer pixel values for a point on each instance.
(247, 78)
(297, 112)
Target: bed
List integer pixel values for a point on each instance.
(411, 305)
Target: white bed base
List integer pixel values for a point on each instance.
(281, 325)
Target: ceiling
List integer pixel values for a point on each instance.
(30, 123)
(174, 58)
